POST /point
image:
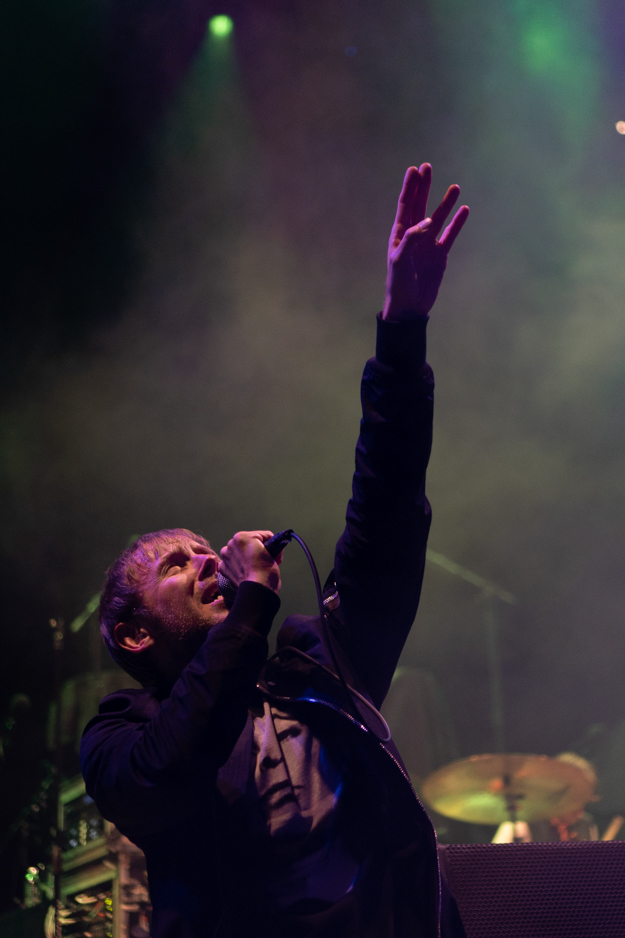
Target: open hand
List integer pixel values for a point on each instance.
(416, 259)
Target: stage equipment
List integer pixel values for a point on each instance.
(541, 890)
(58, 638)
(220, 26)
(613, 827)
(490, 789)
(103, 886)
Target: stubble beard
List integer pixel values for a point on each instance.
(184, 633)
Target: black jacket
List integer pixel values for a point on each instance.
(169, 770)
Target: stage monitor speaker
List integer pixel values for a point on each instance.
(538, 890)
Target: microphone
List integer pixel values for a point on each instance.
(273, 546)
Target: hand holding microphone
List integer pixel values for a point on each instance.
(251, 555)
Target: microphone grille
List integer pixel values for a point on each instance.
(223, 583)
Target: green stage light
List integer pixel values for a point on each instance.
(220, 26)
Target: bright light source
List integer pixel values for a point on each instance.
(220, 26)
(620, 126)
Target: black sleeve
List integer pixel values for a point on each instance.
(380, 556)
(138, 754)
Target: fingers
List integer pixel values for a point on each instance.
(440, 214)
(242, 538)
(412, 237)
(411, 223)
(261, 535)
(422, 193)
(403, 216)
(244, 558)
(413, 200)
(434, 225)
(454, 228)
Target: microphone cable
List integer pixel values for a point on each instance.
(274, 545)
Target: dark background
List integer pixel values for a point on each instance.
(193, 252)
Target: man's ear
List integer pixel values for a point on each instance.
(132, 637)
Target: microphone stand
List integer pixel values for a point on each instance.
(490, 593)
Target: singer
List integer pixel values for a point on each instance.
(270, 802)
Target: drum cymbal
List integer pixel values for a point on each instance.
(490, 789)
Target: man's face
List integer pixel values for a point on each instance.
(181, 592)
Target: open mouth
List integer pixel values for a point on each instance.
(211, 595)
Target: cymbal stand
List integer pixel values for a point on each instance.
(512, 807)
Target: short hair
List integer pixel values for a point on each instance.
(122, 595)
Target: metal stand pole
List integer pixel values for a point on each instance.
(494, 671)
(491, 593)
(57, 859)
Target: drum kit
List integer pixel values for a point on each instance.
(509, 787)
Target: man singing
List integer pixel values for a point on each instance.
(264, 792)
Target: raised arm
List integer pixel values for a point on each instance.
(381, 555)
